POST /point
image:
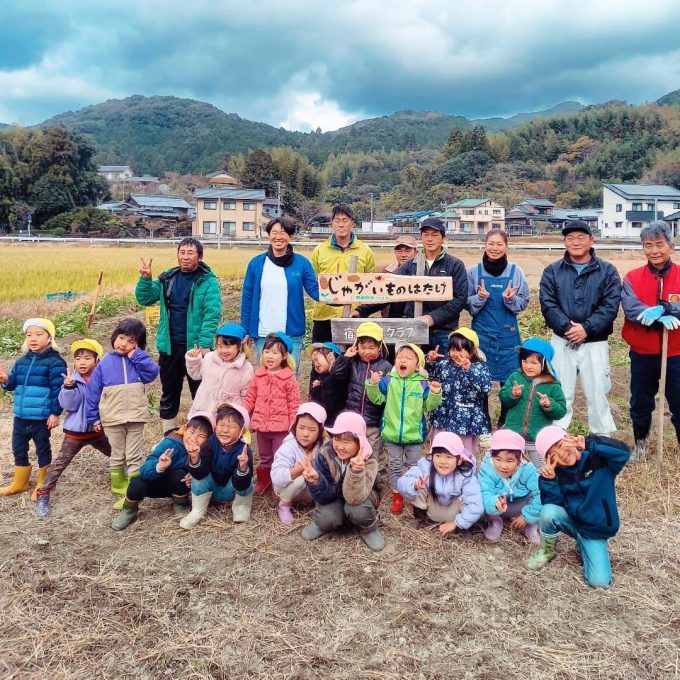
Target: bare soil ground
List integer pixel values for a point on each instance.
(78, 600)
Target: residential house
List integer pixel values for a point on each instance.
(591, 216)
(271, 207)
(222, 180)
(478, 215)
(161, 205)
(116, 173)
(237, 213)
(527, 217)
(408, 222)
(626, 208)
(673, 221)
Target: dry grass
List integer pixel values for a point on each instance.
(256, 601)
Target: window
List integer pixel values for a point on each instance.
(619, 207)
(466, 227)
(209, 227)
(486, 212)
(210, 205)
(468, 212)
(637, 206)
(618, 225)
(248, 206)
(676, 206)
(636, 225)
(229, 228)
(229, 205)
(650, 206)
(496, 211)
(496, 225)
(249, 226)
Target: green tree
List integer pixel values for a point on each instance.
(259, 172)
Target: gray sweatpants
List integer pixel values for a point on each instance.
(396, 454)
(332, 516)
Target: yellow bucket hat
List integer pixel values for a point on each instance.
(39, 322)
(466, 333)
(370, 329)
(417, 351)
(88, 344)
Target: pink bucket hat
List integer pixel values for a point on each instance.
(207, 415)
(453, 444)
(246, 435)
(507, 440)
(356, 425)
(313, 410)
(547, 437)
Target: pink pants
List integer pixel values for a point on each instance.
(267, 444)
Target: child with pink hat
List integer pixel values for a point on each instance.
(342, 481)
(509, 487)
(302, 443)
(443, 486)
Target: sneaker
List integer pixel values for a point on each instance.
(311, 532)
(285, 514)
(494, 528)
(42, 508)
(374, 540)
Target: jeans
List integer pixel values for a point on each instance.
(297, 350)
(220, 494)
(22, 433)
(173, 370)
(597, 570)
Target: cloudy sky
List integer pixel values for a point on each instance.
(304, 63)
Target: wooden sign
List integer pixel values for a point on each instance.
(342, 289)
(344, 331)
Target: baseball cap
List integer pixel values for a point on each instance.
(433, 223)
(576, 225)
(406, 240)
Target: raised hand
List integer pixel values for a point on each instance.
(358, 464)
(502, 503)
(145, 268)
(194, 353)
(164, 460)
(243, 459)
(435, 386)
(548, 471)
(352, 351)
(68, 380)
(310, 475)
(421, 483)
(544, 401)
(434, 354)
(375, 376)
(482, 292)
(509, 292)
(517, 389)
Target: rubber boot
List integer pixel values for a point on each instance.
(285, 514)
(199, 507)
(641, 449)
(397, 506)
(240, 508)
(373, 538)
(312, 531)
(419, 517)
(126, 516)
(118, 505)
(118, 481)
(42, 508)
(42, 473)
(169, 424)
(180, 505)
(494, 528)
(264, 480)
(532, 533)
(545, 554)
(19, 484)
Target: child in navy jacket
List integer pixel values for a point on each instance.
(577, 485)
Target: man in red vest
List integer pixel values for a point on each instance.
(651, 302)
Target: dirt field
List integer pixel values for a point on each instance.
(78, 600)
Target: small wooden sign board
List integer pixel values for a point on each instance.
(378, 288)
(344, 331)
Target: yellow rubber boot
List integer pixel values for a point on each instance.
(22, 475)
(42, 473)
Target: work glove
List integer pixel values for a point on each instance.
(650, 315)
(669, 322)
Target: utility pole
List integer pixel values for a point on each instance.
(371, 195)
(278, 198)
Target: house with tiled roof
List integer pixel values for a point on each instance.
(626, 208)
(477, 216)
(528, 216)
(231, 213)
(222, 180)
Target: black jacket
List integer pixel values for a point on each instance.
(331, 393)
(590, 298)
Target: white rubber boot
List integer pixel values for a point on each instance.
(240, 508)
(199, 506)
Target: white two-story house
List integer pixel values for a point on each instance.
(626, 208)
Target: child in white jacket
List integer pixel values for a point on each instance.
(225, 373)
(443, 486)
(305, 438)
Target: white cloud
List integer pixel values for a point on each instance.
(306, 111)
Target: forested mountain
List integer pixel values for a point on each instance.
(521, 118)
(670, 98)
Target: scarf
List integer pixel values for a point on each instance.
(284, 260)
(494, 267)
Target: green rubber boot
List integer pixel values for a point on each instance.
(118, 505)
(119, 481)
(545, 554)
(126, 516)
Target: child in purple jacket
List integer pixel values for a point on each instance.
(117, 404)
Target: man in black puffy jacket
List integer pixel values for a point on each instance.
(580, 296)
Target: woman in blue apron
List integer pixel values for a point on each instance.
(497, 293)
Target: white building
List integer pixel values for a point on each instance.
(626, 208)
(116, 173)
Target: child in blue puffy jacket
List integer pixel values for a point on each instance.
(35, 379)
(578, 491)
(509, 487)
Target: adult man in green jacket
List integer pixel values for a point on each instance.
(190, 305)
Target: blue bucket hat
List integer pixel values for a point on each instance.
(325, 345)
(232, 330)
(545, 349)
(288, 344)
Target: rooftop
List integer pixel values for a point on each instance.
(159, 201)
(451, 214)
(538, 202)
(672, 216)
(469, 203)
(113, 168)
(575, 213)
(645, 191)
(409, 215)
(240, 194)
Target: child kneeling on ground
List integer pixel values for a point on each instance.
(443, 486)
(342, 482)
(509, 487)
(578, 491)
(164, 472)
(305, 439)
(223, 469)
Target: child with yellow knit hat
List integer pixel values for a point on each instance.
(35, 379)
(77, 433)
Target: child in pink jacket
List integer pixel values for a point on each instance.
(225, 373)
(272, 402)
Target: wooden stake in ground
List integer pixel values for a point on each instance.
(90, 316)
(661, 408)
(353, 264)
(420, 271)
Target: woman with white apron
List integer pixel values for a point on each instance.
(497, 293)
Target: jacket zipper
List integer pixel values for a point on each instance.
(363, 394)
(125, 379)
(527, 412)
(28, 375)
(401, 419)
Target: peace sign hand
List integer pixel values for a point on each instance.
(164, 460)
(310, 475)
(68, 380)
(145, 268)
(509, 292)
(421, 483)
(352, 351)
(243, 459)
(548, 471)
(434, 354)
(482, 292)
(517, 389)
